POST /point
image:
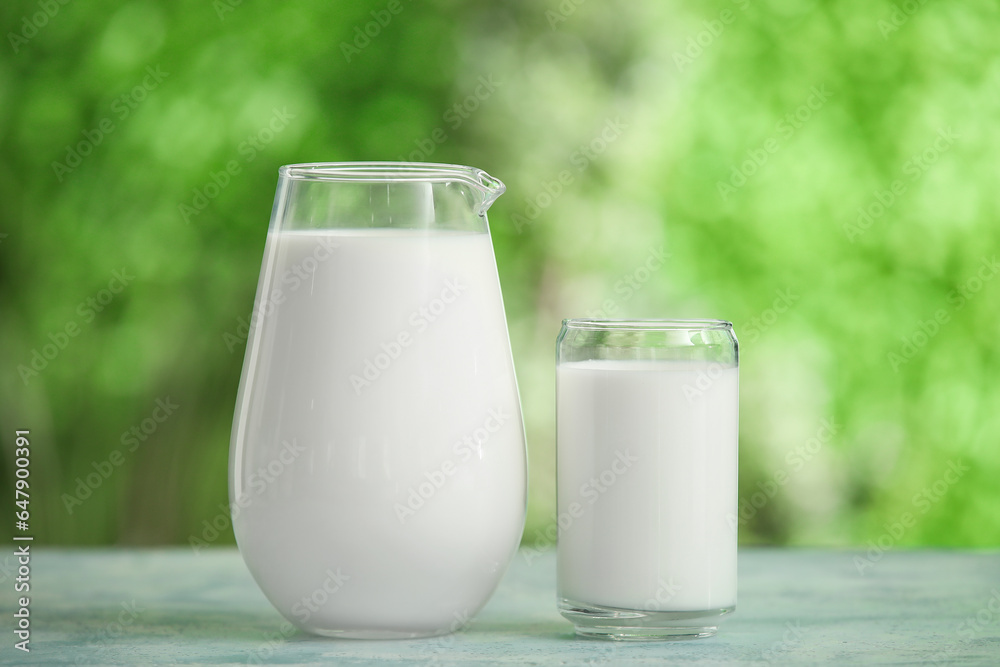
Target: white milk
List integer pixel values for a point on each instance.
(647, 459)
(380, 490)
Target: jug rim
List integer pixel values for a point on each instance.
(488, 187)
(390, 172)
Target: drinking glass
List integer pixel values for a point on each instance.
(646, 424)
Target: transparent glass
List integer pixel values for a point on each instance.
(377, 466)
(646, 460)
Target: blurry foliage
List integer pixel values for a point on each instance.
(683, 94)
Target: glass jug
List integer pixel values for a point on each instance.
(377, 472)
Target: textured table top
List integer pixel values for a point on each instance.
(140, 607)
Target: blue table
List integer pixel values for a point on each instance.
(139, 607)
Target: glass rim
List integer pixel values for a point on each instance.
(391, 172)
(592, 324)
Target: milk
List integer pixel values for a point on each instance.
(647, 494)
(380, 488)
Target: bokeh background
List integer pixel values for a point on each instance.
(823, 174)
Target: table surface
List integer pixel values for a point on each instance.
(140, 607)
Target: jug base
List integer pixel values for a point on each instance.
(355, 633)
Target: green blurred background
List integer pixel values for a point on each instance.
(823, 174)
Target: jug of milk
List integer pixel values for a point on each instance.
(377, 471)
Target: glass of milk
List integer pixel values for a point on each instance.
(647, 416)
(377, 464)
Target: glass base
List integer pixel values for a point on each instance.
(618, 624)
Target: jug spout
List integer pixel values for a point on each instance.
(489, 188)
